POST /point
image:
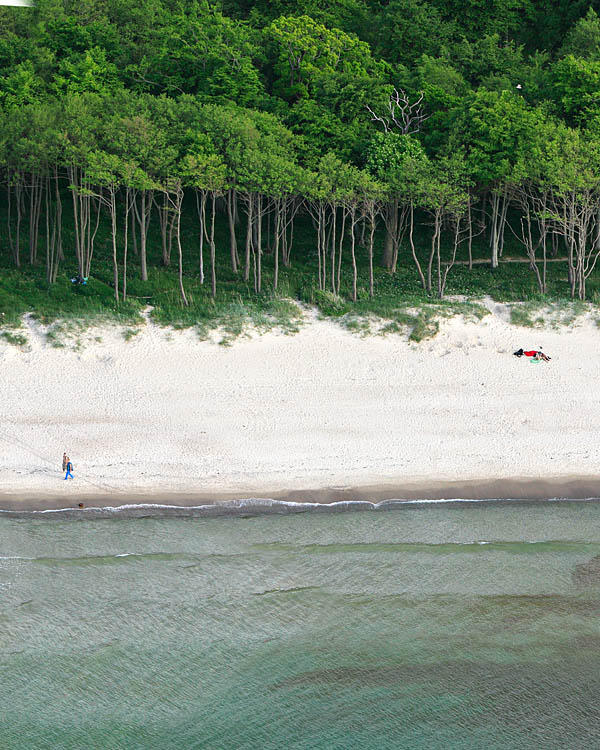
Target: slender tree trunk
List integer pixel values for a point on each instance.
(483, 215)
(73, 173)
(259, 215)
(113, 221)
(172, 222)
(353, 254)
(494, 234)
(502, 229)
(249, 244)
(289, 244)
(134, 242)
(201, 209)
(32, 202)
(340, 249)
(333, 246)
(142, 222)
(452, 261)
(92, 237)
(9, 217)
(320, 232)
(470, 245)
(438, 254)
(50, 240)
(290, 209)
(128, 201)
(178, 202)
(232, 238)
(432, 253)
(391, 230)
(412, 245)
(35, 207)
(277, 203)
(19, 204)
(213, 270)
(57, 225)
(163, 220)
(371, 239)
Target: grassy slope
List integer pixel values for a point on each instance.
(398, 299)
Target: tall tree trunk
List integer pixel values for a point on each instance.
(333, 245)
(163, 220)
(58, 224)
(213, 270)
(452, 261)
(353, 253)
(9, 217)
(494, 231)
(320, 232)
(19, 204)
(91, 238)
(35, 206)
(201, 209)
(438, 222)
(249, 236)
(340, 249)
(142, 223)
(278, 209)
(470, 245)
(231, 197)
(412, 246)
(390, 245)
(432, 252)
(50, 237)
(371, 239)
(113, 221)
(259, 217)
(128, 201)
(178, 202)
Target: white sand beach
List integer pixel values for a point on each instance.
(166, 414)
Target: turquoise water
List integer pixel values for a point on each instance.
(436, 626)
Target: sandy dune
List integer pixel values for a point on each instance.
(168, 413)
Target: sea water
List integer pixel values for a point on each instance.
(445, 626)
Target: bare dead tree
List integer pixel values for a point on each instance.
(406, 116)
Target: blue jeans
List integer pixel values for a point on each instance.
(68, 474)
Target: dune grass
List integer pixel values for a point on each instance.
(399, 304)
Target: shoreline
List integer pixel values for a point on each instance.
(523, 489)
(324, 416)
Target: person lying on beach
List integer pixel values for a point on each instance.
(536, 354)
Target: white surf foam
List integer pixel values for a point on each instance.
(254, 503)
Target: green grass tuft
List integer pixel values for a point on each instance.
(128, 333)
(16, 339)
(425, 327)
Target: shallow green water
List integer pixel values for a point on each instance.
(371, 630)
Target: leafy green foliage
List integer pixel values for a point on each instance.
(267, 102)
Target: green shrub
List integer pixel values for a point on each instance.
(330, 304)
(16, 339)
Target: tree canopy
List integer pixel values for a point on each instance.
(353, 113)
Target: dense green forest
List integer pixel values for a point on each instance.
(348, 153)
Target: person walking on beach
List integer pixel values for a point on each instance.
(67, 467)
